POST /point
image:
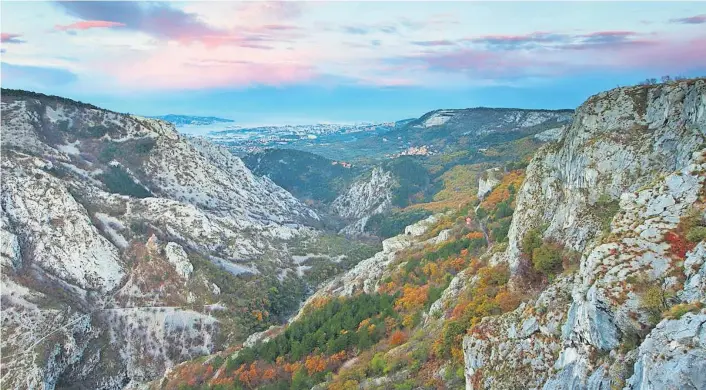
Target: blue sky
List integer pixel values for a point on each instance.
(302, 62)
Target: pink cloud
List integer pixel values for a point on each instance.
(177, 67)
(595, 52)
(663, 56)
(260, 22)
(88, 24)
(10, 38)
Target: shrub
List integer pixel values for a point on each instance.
(653, 300)
(406, 385)
(144, 145)
(390, 225)
(531, 241)
(605, 209)
(508, 300)
(678, 244)
(398, 337)
(696, 234)
(677, 311)
(108, 152)
(378, 364)
(547, 259)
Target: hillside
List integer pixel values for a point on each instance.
(116, 227)
(582, 270)
(471, 129)
(309, 177)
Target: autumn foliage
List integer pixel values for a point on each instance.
(413, 297)
(398, 337)
(314, 364)
(502, 191)
(678, 244)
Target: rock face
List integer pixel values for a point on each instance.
(619, 141)
(364, 199)
(614, 187)
(177, 256)
(676, 348)
(83, 190)
(488, 181)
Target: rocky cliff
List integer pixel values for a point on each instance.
(116, 232)
(365, 198)
(621, 186)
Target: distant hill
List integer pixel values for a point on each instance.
(472, 128)
(182, 120)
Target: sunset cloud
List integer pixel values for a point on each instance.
(11, 38)
(88, 24)
(428, 49)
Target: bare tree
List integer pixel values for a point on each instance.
(666, 79)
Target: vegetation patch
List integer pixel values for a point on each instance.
(119, 181)
(390, 225)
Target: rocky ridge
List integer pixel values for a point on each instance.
(83, 191)
(638, 151)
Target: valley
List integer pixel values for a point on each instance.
(545, 249)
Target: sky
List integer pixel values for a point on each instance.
(293, 62)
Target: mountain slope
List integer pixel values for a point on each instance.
(117, 228)
(451, 130)
(617, 187)
(310, 177)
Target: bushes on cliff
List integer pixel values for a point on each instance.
(547, 258)
(531, 241)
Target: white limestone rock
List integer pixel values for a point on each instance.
(488, 181)
(673, 356)
(364, 199)
(177, 256)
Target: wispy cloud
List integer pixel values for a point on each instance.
(166, 22)
(11, 38)
(554, 40)
(565, 54)
(365, 30)
(512, 42)
(88, 24)
(698, 19)
(442, 42)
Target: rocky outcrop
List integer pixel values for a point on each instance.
(177, 257)
(364, 199)
(619, 181)
(488, 181)
(518, 349)
(673, 356)
(619, 141)
(56, 231)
